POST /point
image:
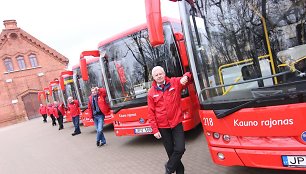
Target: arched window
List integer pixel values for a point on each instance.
(8, 64)
(33, 60)
(21, 62)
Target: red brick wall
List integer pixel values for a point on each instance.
(24, 81)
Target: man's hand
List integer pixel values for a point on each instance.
(184, 80)
(157, 135)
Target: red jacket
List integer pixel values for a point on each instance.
(74, 108)
(103, 105)
(164, 108)
(60, 107)
(50, 109)
(43, 109)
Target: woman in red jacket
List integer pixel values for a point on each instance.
(74, 108)
(165, 115)
(43, 112)
(59, 112)
(50, 113)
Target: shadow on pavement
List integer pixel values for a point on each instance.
(194, 133)
(142, 140)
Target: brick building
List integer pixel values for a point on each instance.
(27, 66)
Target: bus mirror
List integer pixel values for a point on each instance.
(154, 22)
(84, 71)
(61, 81)
(179, 37)
(249, 72)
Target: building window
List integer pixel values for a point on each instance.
(21, 63)
(33, 60)
(8, 64)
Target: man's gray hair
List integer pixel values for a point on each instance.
(157, 68)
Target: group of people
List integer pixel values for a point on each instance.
(97, 107)
(55, 111)
(164, 113)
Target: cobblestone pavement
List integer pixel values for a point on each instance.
(36, 148)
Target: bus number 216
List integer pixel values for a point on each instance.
(208, 121)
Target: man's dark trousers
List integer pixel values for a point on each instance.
(174, 143)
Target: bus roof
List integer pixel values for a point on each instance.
(133, 30)
(89, 60)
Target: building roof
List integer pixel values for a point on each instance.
(11, 30)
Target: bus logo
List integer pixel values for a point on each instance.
(303, 136)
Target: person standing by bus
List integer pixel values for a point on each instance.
(98, 108)
(74, 108)
(43, 112)
(50, 113)
(165, 115)
(59, 112)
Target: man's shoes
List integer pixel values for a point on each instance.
(167, 170)
(75, 133)
(98, 143)
(60, 128)
(101, 143)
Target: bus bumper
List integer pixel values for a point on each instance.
(132, 129)
(254, 158)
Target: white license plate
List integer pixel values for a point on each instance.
(294, 161)
(143, 130)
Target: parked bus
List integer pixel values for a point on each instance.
(127, 60)
(42, 97)
(55, 91)
(248, 60)
(84, 82)
(68, 88)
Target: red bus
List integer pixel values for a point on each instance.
(42, 97)
(55, 91)
(84, 81)
(68, 89)
(248, 60)
(127, 60)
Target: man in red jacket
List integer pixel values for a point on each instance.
(74, 108)
(59, 112)
(43, 112)
(98, 108)
(165, 115)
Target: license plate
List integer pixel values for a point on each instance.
(294, 161)
(143, 130)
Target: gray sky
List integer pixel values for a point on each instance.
(71, 27)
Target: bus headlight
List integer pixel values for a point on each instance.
(216, 135)
(226, 138)
(221, 156)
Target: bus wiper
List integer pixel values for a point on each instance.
(224, 113)
(115, 111)
(243, 82)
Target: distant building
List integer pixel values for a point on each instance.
(27, 66)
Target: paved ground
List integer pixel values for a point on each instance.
(36, 148)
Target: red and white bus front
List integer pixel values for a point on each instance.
(127, 60)
(249, 63)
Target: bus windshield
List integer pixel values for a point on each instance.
(84, 87)
(128, 63)
(56, 93)
(246, 49)
(70, 89)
